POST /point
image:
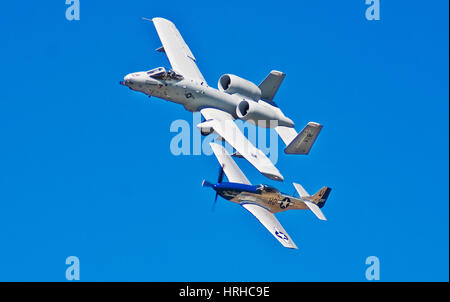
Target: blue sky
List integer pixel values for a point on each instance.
(86, 169)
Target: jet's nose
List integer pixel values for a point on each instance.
(127, 80)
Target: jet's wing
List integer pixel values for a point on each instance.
(271, 224)
(177, 51)
(231, 169)
(223, 124)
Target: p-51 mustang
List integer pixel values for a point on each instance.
(262, 200)
(236, 98)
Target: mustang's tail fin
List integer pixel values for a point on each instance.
(321, 196)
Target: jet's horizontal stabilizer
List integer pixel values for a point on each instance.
(299, 143)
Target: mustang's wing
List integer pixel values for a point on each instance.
(271, 223)
(223, 124)
(177, 51)
(231, 169)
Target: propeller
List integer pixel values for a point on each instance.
(219, 180)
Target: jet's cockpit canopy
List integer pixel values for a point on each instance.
(161, 73)
(267, 189)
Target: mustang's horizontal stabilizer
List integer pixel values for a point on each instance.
(315, 209)
(271, 224)
(301, 191)
(271, 84)
(231, 169)
(299, 143)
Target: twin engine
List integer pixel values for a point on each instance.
(232, 84)
(251, 109)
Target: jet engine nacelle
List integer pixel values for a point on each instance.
(232, 84)
(258, 111)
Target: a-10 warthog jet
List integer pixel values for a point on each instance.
(236, 98)
(263, 200)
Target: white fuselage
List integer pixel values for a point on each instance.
(193, 95)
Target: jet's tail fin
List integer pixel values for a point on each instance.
(302, 142)
(297, 143)
(315, 202)
(270, 85)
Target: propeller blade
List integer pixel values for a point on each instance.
(215, 201)
(221, 173)
(219, 180)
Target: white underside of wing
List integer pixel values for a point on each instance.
(270, 222)
(177, 51)
(230, 168)
(287, 134)
(223, 124)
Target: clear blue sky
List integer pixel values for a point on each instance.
(86, 170)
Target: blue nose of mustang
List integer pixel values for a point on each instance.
(207, 184)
